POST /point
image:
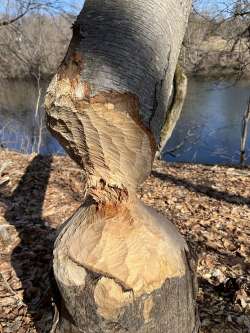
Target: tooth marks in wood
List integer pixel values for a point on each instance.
(103, 96)
(63, 131)
(102, 136)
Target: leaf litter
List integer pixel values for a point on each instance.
(210, 205)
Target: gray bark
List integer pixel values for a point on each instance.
(244, 133)
(174, 110)
(144, 63)
(133, 46)
(119, 266)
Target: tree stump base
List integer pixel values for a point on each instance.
(122, 267)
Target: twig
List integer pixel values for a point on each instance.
(8, 287)
(5, 179)
(55, 320)
(4, 23)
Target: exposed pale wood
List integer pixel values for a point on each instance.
(119, 266)
(104, 135)
(123, 267)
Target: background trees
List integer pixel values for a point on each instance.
(35, 34)
(217, 41)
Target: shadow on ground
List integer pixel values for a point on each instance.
(31, 259)
(201, 188)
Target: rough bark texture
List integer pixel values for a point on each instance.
(119, 266)
(175, 107)
(128, 46)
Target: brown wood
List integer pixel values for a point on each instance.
(118, 264)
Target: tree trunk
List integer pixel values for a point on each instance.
(119, 266)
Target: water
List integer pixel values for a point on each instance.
(207, 132)
(20, 129)
(209, 128)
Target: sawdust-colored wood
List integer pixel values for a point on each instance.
(119, 266)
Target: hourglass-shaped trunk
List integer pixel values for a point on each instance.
(118, 264)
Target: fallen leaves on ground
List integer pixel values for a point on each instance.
(209, 204)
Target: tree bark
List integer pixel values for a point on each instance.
(119, 266)
(174, 110)
(244, 133)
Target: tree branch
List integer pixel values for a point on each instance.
(18, 17)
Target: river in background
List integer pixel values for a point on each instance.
(209, 129)
(22, 126)
(207, 132)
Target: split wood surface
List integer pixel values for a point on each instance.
(119, 266)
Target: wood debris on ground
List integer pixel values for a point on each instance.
(209, 204)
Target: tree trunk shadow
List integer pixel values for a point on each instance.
(31, 258)
(203, 189)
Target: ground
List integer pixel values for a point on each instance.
(209, 204)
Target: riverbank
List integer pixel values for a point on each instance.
(211, 58)
(209, 65)
(216, 58)
(209, 204)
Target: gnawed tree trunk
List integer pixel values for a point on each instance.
(119, 265)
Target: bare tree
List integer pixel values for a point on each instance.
(33, 42)
(34, 36)
(218, 39)
(119, 265)
(15, 10)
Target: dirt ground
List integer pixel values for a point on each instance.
(210, 206)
